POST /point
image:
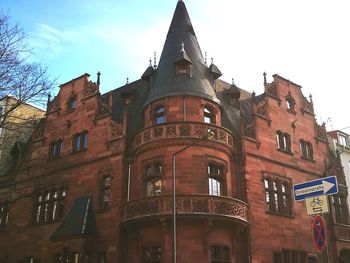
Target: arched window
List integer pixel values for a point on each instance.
(159, 115)
(290, 101)
(154, 183)
(215, 180)
(209, 116)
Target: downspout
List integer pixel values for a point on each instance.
(129, 178)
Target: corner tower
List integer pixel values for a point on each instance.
(180, 109)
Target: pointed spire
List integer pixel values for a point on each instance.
(198, 83)
(205, 58)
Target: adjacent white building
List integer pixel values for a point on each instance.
(340, 141)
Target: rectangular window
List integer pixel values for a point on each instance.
(220, 254)
(4, 214)
(278, 195)
(80, 141)
(215, 179)
(306, 150)
(56, 149)
(340, 209)
(152, 254)
(344, 140)
(283, 141)
(48, 206)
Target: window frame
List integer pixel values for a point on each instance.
(278, 197)
(153, 174)
(223, 254)
(283, 141)
(55, 149)
(4, 214)
(209, 115)
(216, 174)
(341, 212)
(80, 142)
(48, 207)
(72, 103)
(154, 252)
(306, 150)
(159, 114)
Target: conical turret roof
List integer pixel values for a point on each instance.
(166, 82)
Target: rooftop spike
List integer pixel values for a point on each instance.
(182, 47)
(155, 60)
(205, 58)
(150, 62)
(98, 78)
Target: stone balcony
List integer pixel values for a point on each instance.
(183, 130)
(190, 205)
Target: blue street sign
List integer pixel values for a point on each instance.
(322, 186)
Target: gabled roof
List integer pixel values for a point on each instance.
(80, 220)
(166, 82)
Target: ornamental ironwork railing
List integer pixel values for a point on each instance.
(187, 204)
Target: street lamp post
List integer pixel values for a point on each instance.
(210, 134)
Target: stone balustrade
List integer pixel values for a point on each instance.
(187, 205)
(182, 130)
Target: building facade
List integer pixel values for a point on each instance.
(17, 121)
(178, 166)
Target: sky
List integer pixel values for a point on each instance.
(307, 42)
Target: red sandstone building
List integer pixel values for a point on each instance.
(95, 181)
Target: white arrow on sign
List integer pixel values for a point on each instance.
(325, 187)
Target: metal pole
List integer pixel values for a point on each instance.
(174, 208)
(210, 134)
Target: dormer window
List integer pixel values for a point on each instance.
(209, 116)
(159, 115)
(183, 63)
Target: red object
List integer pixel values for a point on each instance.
(319, 233)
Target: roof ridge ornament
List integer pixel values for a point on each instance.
(155, 60)
(205, 58)
(182, 47)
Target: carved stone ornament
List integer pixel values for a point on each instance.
(321, 132)
(158, 132)
(117, 129)
(185, 130)
(249, 131)
(171, 131)
(102, 110)
(90, 89)
(272, 89)
(229, 209)
(261, 108)
(308, 106)
(53, 105)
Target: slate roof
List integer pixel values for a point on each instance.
(166, 82)
(234, 116)
(80, 220)
(138, 90)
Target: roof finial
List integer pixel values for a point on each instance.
(212, 60)
(48, 98)
(205, 58)
(127, 80)
(98, 78)
(155, 60)
(233, 82)
(310, 96)
(265, 82)
(150, 62)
